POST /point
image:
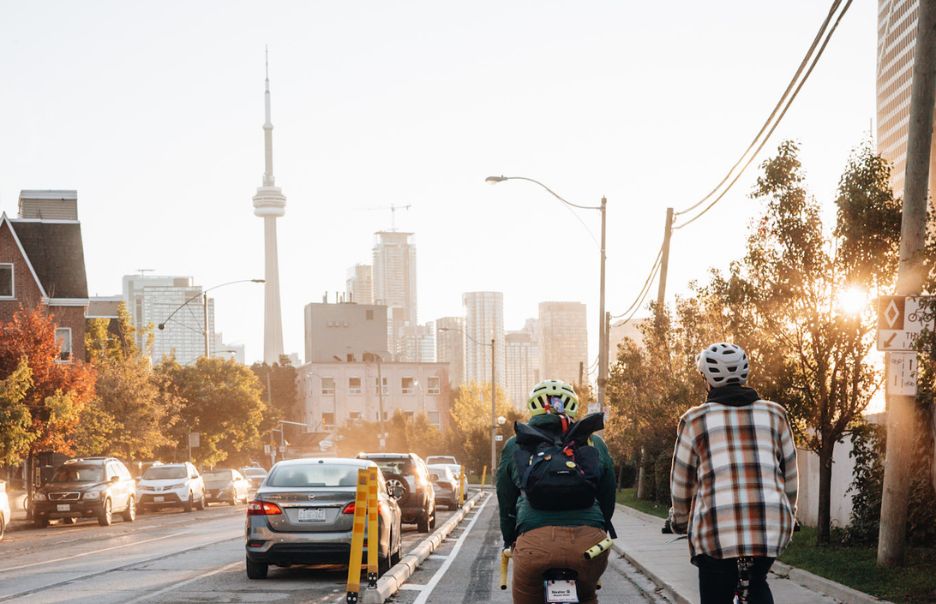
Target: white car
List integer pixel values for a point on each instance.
(4, 508)
(171, 485)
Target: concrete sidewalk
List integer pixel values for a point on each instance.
(666, 560)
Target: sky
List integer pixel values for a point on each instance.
(153, 112)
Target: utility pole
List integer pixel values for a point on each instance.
(382, 441)
(205, 316)
(602, 339)
(900, 409)
(664, 264)
(493, 412)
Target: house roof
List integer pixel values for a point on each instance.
(56, 253)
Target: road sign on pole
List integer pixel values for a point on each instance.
(901, 319)
(194, 439)
(902, 374)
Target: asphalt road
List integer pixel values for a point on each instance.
(199, 557)
(167, 556)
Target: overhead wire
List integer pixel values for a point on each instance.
(763, 142)
(646, 286)
(783, 103)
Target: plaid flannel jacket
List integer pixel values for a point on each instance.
(733, 479)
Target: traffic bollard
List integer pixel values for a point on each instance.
(373, 534)
(463, 486)
(483, 475)
(357, 538)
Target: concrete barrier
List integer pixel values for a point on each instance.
(391, 581)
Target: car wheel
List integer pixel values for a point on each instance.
(392, 483)
(256, 570)
(2, 526)
(106, 515)
(422, 523)
(201, 502)
(188, 502)
(129, 514)
(41, 522)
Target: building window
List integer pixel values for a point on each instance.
(354, 415)
(328, 420)
(408, 385)
(6, 281)
(433, 417)
(354, 385)
(63, 339)
(433, 385)
(386, 386)
(328, 386)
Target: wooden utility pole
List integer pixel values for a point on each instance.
(900, 409)
(664, 264)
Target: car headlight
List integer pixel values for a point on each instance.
(39, 496)
(92, 495)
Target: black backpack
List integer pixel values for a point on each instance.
(559, 472)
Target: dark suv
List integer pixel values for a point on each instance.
(85, 487)
(407, 476)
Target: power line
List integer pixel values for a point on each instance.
(783, 100)
(646, 286)
(799, 87)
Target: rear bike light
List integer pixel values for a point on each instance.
(263, 508)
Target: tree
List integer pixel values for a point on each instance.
(280, 391)
(130, 415)
(470, 433)
(16, 434)
(220, 399)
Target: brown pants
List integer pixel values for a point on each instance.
(549, 547)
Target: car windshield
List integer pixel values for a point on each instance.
(313, 475)
(164, 472)
(441, 459)
(78, 474)
(218, 475)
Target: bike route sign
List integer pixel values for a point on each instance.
(901, 320)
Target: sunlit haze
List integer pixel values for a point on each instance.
(153, 112)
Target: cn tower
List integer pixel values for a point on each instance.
(269, 204)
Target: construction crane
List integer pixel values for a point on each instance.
(393, 210)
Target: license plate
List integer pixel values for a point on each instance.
(63, 507)
(561, 591)
(311, 514)
(158, 499)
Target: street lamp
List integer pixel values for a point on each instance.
(382, 441)
(493, 393)
(204, 297)
(602, 328)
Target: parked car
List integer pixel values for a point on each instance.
(226, 485)
(433, 460)
(139, 468)
(407, 472)
(171, 485)
(5, 513)
(254, 474)
(304, 514)
(445, 485)
(86, 487)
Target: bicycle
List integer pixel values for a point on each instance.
(745, 564)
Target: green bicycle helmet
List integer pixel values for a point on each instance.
(553, 396)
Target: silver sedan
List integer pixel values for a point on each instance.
(304, 512)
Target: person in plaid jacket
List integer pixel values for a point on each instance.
(733, 479)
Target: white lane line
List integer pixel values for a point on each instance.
(97, 551)
(176, 586)
(427, 591)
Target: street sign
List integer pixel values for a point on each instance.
(901, 319)
(194, 439)
(902, 374)
(499, 437)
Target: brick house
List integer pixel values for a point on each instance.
(42, 261)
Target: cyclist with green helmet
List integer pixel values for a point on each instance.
(544, 537)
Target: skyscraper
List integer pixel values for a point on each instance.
(359, 285)
(395, 283)
(563, 339)
(897, 29)
(450, 347)
(522, 358)
(484, 320)
(269, 204)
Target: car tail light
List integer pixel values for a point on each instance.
(263, 508)
(349, 509)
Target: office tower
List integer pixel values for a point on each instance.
(563, 340)
(417, 344)
(270, 204)
(484, 320)
(360, 284)
(450, 347)
(522, 358)
(395, 282)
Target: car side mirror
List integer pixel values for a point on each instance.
(115, 478)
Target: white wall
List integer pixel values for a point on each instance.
(807, 507)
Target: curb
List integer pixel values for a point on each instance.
(391, 581)
(825, 586)
(668, 591)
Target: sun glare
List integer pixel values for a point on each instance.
(853, 300)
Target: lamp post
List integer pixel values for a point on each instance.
(602, 336)
(493, 391)
(382, 441)
(204, 297)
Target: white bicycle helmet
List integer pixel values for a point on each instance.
(723, 364)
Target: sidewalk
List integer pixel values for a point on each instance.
(666, 561)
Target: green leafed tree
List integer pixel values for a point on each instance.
(16, 433)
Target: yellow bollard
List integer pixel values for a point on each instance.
(357, 538)
(505, 561)
(373, 532)
(464, 486)
(484, 475)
